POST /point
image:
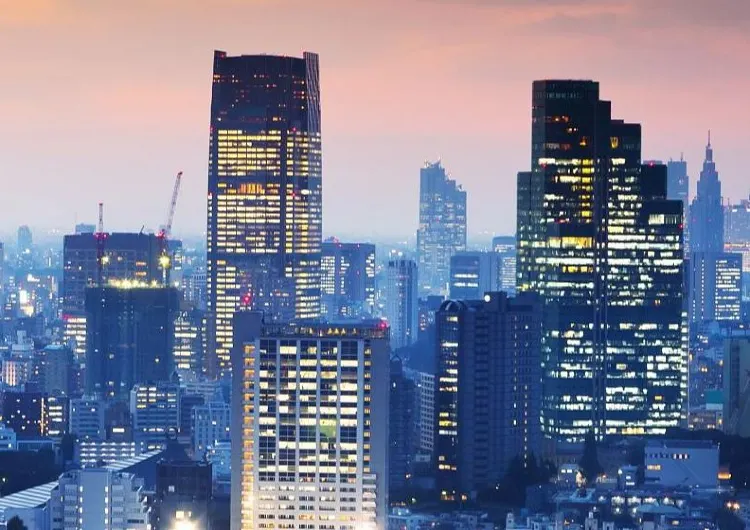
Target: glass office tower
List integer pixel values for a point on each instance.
(264, 193)
(601, 243)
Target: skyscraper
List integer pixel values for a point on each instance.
(715, 287)
(706, 211)
(130, 337)
(474, 273)
(264, 193)
(310, 424)
(401, 304)
(489, 391)
(506, 247)
(347, 279)
(442, 226)
(678, 182)
(601, 243)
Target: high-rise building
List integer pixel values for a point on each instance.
(131, 257)
(506, 247)
(56, 364)
(130, 336)
(264, 193)
(98, 499)
(310, 424)
(189, 340)
(25, 248)
(473, 274)
(87, 418)
(347, 279)
(737, 386)
(155, 410)
(737, 222)
(210, 425)
(706, 210)
(603, 246)
(402, 427)
(401, 301)
(488, 390)
(678, 182)
(715, 287)
(442, 227)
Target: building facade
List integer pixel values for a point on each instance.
(347, 279)
(130, 336)
(264, 193)
(209, 426)
(474, 273)
(442, 227)
(715, 287)
(488, 392)
(401, 304)
(310, 429)
(736, 383)
(601, 243)
(155, 412)
(706, 210)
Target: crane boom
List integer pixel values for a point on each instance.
(167, 230)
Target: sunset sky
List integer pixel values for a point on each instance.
(105, 100)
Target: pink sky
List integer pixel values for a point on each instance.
(105, 100)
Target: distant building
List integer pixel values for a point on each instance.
(87, 418)
(34, 414)
(95, 453)
(737, 386)
(25, 248)
(673, 463)
(505, 246)
(401, 301)
(715, 287)
(110, 501)
(347, 279)
(325, 389)
(130, 336)
(474, 273)
(7, 439)
(210, 425)
(84, 228)
(442, 227)
(488, 393)
(706, 210)
(427, 413)
(155, 412)
(737, 222)
(189, 341)
(127, 256)
(426, 309)
(56, 369)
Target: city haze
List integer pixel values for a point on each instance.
(102, 101)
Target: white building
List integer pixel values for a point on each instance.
(401, 302)
(671, 463)
(155, 409)
(310, 429)
(7, 438)
(94, 453)
(98, 499)
(87, 418)
(210, 425)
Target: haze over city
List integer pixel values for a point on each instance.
(105, 101)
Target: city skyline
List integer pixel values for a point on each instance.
(129, 128)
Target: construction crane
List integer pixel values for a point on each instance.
(165, 261)
(101, 239)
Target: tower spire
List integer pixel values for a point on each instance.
(709, 138)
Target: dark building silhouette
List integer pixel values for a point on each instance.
(183, 494)
(442, 227)
(130, 336)
(402, 432)
(678, 189)
(603, 246)
(347, 279)
(488, 391)
(264, 193)
(34, 414)
(706, 210)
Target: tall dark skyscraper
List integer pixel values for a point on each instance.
(678, 181)
(706, 211)
(475, 273)
(442, 227)
(130, 336)
(347, 279)
(603, 246)
(264, 193)
(488, 389)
